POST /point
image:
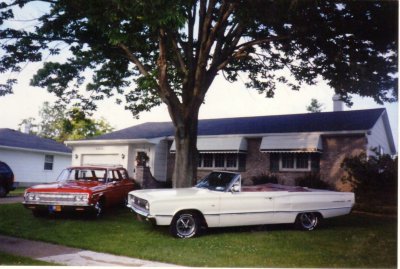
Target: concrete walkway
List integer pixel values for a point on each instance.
(69, 256)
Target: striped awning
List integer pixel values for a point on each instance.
(300, 142)
(219, 145)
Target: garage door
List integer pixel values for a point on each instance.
(101, 159)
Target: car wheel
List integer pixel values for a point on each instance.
(3, 191)
(307, 221)
(99, 209)
(185, 225)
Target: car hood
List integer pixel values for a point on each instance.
(68, 186)
(161, 194)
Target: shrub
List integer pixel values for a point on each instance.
(373, 178)
(264, 178)
(313, 180)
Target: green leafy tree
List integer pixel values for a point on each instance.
(51, 124)
(78, 126)
(314, 106)
(153, 52)
(373, 178)
(60, 124)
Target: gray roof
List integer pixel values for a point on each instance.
(355, 120)
(16, 139)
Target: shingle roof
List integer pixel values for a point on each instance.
(16, 139)
(354, 120)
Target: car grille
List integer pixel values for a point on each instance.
(55, 198)
(59, 197)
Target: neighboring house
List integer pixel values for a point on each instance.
(33, 159)
(289, 146)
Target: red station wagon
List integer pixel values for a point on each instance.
(81, 188)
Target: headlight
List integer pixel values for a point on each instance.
(147, 206)
(30, 196)
(81, 197)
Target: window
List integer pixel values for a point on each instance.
(208, 160)
(48, 162)
(287, 161)
(232, 161)
(294, 162)
(302, 161)
(219, 160)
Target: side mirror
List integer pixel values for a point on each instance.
(235, 188)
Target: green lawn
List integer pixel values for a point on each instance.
(8, 259)
(18, 191)
(350, 241)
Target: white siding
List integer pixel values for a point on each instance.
(378, 137)
(28, 167)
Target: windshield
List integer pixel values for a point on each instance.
(83, 174)
(217, 181)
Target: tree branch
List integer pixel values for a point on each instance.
(134, 60)
(249, 44)
(181, 61)
(225, 11)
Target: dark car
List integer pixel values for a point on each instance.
(6, 179)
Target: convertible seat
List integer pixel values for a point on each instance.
(273, 187)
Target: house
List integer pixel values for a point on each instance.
(33, 159)
(289, 146)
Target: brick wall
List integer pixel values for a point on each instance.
(336, 148)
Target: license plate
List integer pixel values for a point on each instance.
(55, 208)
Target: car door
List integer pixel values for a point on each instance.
(126, 185)
(246, 208)
(114, 188)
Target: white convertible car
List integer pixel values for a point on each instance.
(219, 200)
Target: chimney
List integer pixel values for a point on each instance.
(27, 128)
(337, 103)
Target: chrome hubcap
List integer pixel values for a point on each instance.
(185, 225)
(308, 220)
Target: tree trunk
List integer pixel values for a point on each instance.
(185, 168)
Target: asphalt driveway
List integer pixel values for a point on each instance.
(11, 199)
